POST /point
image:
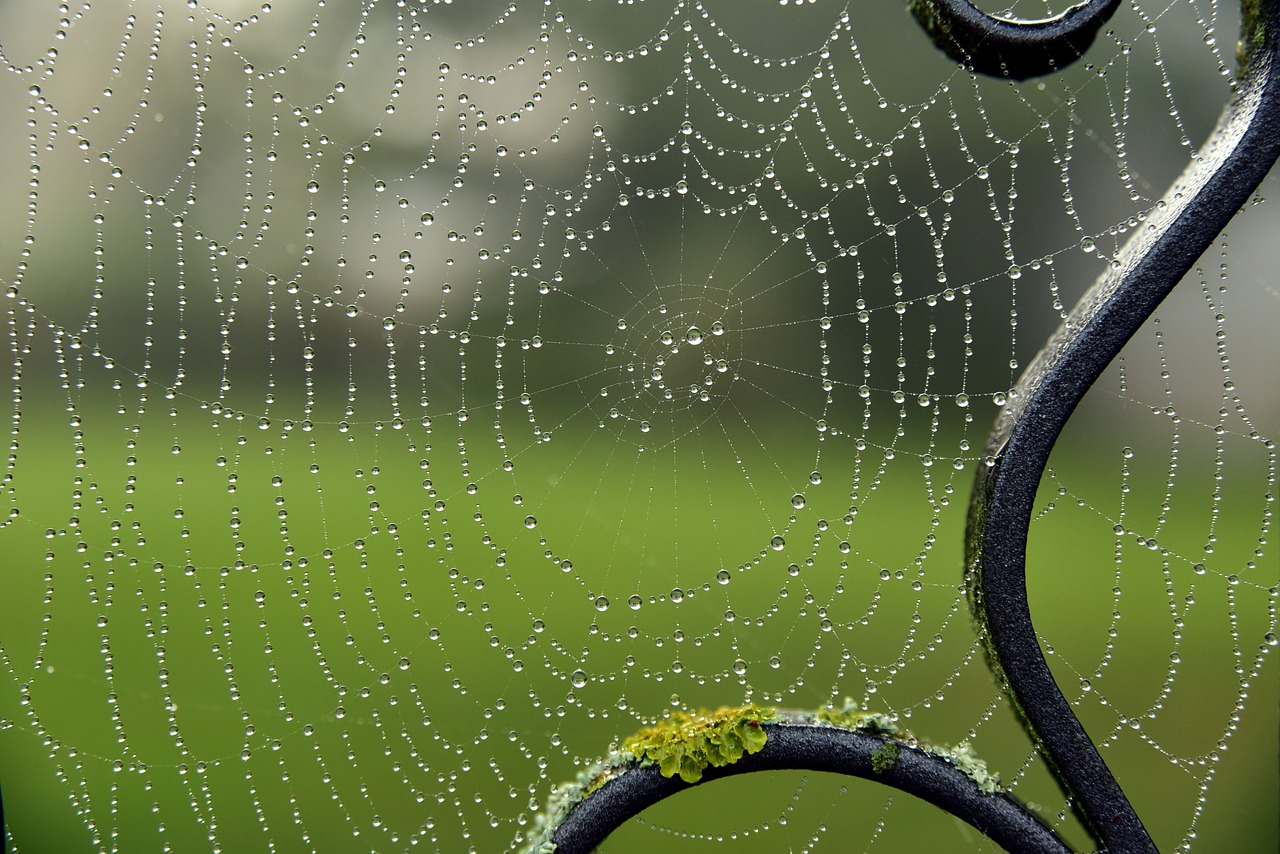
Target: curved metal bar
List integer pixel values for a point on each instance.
(926, 775)
(1004, 47)
(1226, 171)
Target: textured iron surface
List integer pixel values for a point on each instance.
(1005, 47)
(819, 748)
(1220, 180)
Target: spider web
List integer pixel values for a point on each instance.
(411, 400)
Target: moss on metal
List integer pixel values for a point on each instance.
(884, 757)
(1253, 30)
(853, 716)
(963, 758)
(686, 744)
(568, 795)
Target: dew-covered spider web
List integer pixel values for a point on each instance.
(410, 400)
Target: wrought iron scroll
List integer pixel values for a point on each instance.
(1220, 179)
(1006, 47)
(799, 746)
(1226, 171)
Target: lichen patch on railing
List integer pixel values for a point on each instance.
(686, 744)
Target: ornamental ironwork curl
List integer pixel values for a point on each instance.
(1008, 47)
(1226, 171)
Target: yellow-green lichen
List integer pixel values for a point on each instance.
(686, 744)
(1253, 31)
(853, 716)
(884, 757)
(963, 758)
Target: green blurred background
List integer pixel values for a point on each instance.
(335, 456)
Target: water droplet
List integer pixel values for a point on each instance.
(739, 666)
(694, 335)
(777, 543)
(797, 501)
(531, 522)
(723, 576)
(578, 678)
(602, 603)
(815, 477)
(634, 602)
(313, 187)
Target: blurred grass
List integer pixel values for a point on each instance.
(456, 737)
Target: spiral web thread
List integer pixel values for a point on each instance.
(411, 400)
